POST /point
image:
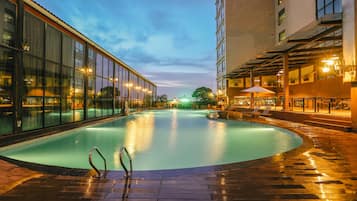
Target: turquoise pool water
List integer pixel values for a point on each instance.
(166, 139)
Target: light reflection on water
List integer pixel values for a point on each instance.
(167, 139)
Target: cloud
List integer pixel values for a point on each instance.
(171, 42)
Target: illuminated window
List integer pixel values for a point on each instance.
(9, 17)
(281, 16)
(282, 35)
(7, 38)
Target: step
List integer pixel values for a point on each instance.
(329, 116)
(331, 120)
(329, 125)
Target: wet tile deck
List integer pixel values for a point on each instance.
(324, 168)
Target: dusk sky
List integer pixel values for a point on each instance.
(171, 42)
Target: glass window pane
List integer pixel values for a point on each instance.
(6, 96)
(98, 96)
(329, 9)
(9, 23)
(99, 65)
(53, 41)
(34, 34)
(282, 36)
(33, 94)
(281, 16)
(338, 6)
(107, 95)
(52, 94)
(79, 55)
(105, 67)
(9, 15)
(91, 97)
(67, 94)
(67, 51)
(321, 13)
(8, 38)
(110, 68)
(79, 96)
(320, 4)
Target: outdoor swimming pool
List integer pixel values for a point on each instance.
(156, 140)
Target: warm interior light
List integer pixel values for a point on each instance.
(86, 70)
(328, 61)
(326, 69)
(129, 85)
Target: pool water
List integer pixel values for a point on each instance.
(156, 140)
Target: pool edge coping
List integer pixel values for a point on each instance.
(48, 169)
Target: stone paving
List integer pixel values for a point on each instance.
(324, 168)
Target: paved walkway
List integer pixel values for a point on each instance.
(324, 168)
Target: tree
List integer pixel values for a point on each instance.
(204, 96)
(161, 101)
(108, 92)
(162, 98)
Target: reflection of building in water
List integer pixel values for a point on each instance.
(217, 146)
(139, 134)
(173, 133)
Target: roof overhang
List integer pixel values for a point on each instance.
(311, 43)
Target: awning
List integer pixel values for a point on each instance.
(316, 40)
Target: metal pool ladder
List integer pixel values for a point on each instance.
(91, 162)
(122, 150)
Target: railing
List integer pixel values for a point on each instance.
(122, 150)
(91, 162)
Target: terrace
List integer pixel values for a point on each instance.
(323, 168)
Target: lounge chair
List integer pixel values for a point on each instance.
(254, 113)
(266, 112)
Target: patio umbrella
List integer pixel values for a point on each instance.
(256, 89)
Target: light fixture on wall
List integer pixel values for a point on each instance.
(115, 79)
(25, 47)
(86, 70)
(129, 85)
(280, 73)
(331, 63)
(325, 69)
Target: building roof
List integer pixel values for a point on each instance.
(318, 39)
(54, 18)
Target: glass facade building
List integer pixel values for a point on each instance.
(52, 75)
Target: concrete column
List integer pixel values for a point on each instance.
(251, 85)
(350, 49)
(354, 105)
(18, 71)
(286, 82)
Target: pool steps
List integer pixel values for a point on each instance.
(91, 162)
(127, 173)
(122, 151)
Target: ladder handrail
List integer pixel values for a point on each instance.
(123, 149)
(91, 162)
